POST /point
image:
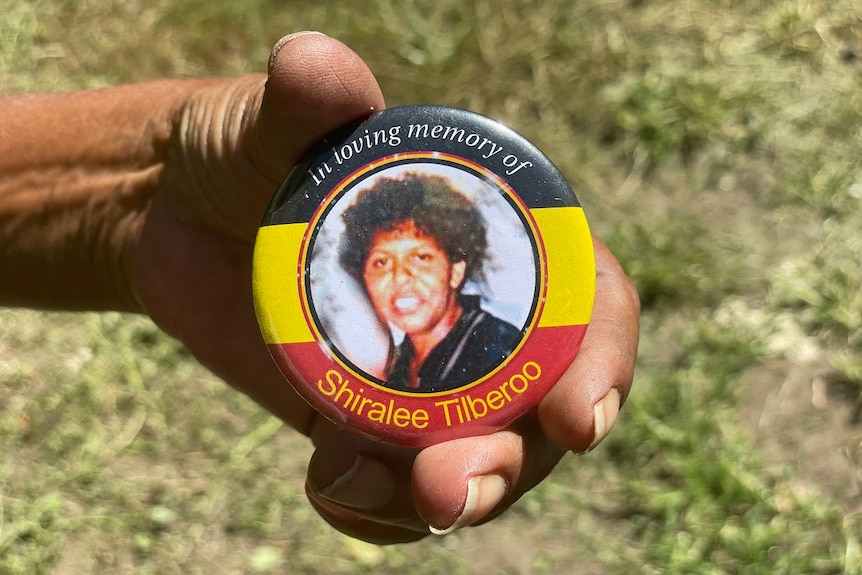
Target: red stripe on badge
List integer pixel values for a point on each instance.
(348, 398)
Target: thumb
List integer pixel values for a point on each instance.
(238, 138)
(315, 85)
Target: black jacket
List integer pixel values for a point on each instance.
(477, 343)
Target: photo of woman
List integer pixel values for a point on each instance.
(419, 251)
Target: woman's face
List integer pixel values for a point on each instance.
(410, 280)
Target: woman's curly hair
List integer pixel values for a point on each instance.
(434, 208)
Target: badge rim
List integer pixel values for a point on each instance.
(308, 380)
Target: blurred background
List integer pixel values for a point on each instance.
(716, 146)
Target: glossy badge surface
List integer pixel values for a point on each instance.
(423, 275)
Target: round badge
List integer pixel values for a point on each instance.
(424, 274)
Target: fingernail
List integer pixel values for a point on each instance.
(484, 493)
(604, 416)
(368, 484)
(280, 44)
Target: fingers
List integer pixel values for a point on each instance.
(362, 488)
(468, 481)
(582, 407)
(386, 494)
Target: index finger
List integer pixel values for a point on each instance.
(582, 407)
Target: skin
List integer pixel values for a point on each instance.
(146, 198)
(413, 286)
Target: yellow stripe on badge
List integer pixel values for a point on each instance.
(276, 296)
(571, 266)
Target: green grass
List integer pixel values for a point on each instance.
(715, 146)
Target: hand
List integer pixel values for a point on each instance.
(188, 260)
(389, 494)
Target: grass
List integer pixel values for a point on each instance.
(715, 146)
